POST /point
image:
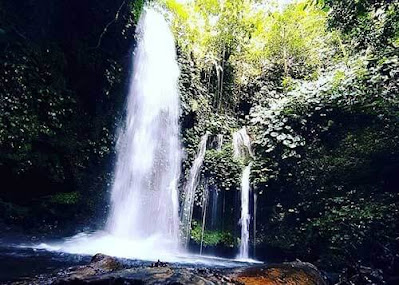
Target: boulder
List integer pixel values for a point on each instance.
(292, 273)
(105, 262)
(100, 264)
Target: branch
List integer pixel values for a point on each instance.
(20, 34)
(109, 24)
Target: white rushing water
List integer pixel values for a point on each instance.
(245, 216)
(205, 196)
(189, 190)
(242, 149)
(242, 144)
(219, 140)
(144, 220)
(144, 194)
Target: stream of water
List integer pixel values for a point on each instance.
(144, 217)
(242, 149)
(189, 190)
(144, 197)
(245, 215)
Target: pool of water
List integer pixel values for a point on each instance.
(28, 259)
(151, 249)
(18, 263)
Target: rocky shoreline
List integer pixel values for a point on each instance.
(104, 269)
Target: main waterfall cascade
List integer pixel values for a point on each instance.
(144, 217)
(242, 149)
(189, 190)
(144, 197)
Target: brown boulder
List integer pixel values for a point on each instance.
(105, 262)
(293, 273)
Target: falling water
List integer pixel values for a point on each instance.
(144, 194)
(143, 221)
(215, 200)
(242, 149)
(205, 196)
(189, 190)
(242, 144)
(245, 216)
(219, 142)
(254, 226)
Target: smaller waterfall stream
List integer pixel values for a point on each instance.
(189, 190)
(242, 144)
(219, 139)
(205, 196)
(215, 209)
(245, 216)
(242, 149)
(254, 226)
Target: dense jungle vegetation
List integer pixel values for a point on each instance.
(314, 82)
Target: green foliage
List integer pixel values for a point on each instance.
(211, 238)
(136, 7)
(327, 182)
(208, 27)
(366, 23)
(323, 121)
(70, 198)
(221, 169)
(35, 104)
(294, 38)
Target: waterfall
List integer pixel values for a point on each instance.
(215, 200)
(189, 190)
(144, 201)
(144, 216)
(143, 222)
(205, 195)
(242, 144)
(254, 226)
(245, 216)
(219, 142)
(242, 149)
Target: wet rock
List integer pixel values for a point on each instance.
(293, 273)
(105, 262)
(107, 270)
(100, 264)
(159, 264)
(150, 276)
